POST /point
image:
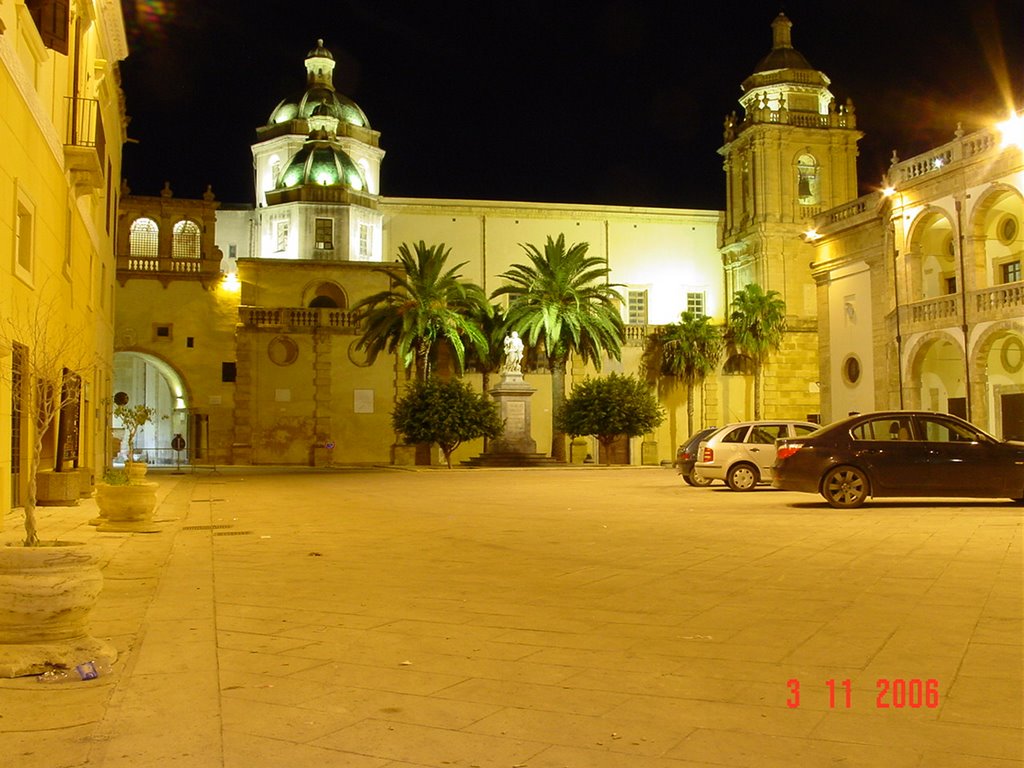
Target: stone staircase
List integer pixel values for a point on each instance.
(512, 459)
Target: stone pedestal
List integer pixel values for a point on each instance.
(512, 395)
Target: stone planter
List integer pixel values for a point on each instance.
(136, 470)
(46, 595)
(58, 489)
(127, 508)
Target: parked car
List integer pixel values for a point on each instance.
(900, 453)
(686, 457)
(742, 454)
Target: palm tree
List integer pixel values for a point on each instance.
(426, 304)
(756, 328)
(562, 299)
(687, 351)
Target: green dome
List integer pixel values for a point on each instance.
(301, 107)
(322, 163)
(319, 90)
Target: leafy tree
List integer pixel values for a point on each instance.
(447, 413)
(563, 301)
(427, 303)
(687, 351)
(609, 407)
(756, 328)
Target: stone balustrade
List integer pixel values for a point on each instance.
(166, 269)
(298, 319)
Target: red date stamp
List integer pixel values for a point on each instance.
(894, 693)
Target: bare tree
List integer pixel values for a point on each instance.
(54, 356)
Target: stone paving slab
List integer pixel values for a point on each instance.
(581, 617)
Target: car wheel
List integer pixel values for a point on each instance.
(845, 487)
(742, 477)
(698, 480)
(688, 479)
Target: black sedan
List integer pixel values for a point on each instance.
(900, 453)
(686, 457)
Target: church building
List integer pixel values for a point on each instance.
(236, 322)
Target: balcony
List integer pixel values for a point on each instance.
(85, 145)
(999, 302)
(298, 319)
(983, 305)
(166, 270)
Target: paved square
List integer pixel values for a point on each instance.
(581, 617)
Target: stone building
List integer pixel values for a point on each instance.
(919, 285)
(244, 335)
(62, 126)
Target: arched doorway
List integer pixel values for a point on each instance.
(148, 380)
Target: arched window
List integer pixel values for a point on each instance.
(144, 238)
(186, 241)
(807, 180)
(328, 295)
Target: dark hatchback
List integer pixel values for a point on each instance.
(686, 457)
(900, 453)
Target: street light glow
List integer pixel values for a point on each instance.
(1013, 131)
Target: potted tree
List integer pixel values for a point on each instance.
(47, 588)
(126, 500)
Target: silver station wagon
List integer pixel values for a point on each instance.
(742, 453)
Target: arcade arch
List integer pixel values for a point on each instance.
(151, 381)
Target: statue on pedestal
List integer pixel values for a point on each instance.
(513, 355)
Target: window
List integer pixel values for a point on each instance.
(52, 18)
(324, 234)
(144, 238)
(766, 434)
(883, 429)
(1007, 230)
(281, 236)
(23, 240)
(1010, 271)
(736, 435)
(161, 332)
(807, 180)
(67, 243)
(942, 431)
(695, 302)
(365, 241)
(851, 369)
(186, 240)
(950, 285)
(636, 307)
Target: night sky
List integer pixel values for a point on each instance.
(617, 102)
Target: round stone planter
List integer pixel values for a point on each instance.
(136, 470)
(46, 595)
(126, 507)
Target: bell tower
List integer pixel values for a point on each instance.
(791, 154)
